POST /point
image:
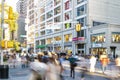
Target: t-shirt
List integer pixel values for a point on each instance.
(105, 61)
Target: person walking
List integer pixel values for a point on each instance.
(54, 68)
(38, 69)
(61, 59)
(104, 62)
(92, 63)
(117, 61)
(73, 64)
(23, 61)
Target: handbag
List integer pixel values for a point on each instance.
(74, 64)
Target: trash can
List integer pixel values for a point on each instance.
(4, 71)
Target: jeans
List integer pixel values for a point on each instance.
(103, 68)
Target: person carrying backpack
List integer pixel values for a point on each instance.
(73, 64)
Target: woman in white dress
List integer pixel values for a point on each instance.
(92, 63)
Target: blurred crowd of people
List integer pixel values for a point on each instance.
(49, 65)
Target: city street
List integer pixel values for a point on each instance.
(18, 73)
(47, 30)
(23, 74)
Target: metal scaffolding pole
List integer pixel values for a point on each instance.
(2, 26)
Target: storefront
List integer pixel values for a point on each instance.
(68, 47)
(97, 44)
(80, 45)
(105, 39)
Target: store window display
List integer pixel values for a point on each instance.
(98, 38)
(116, 37)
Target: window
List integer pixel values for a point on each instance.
(116, 37)
(57, 39)
(49, 5)
(49, 14)
(42, 26)
(57, 19)
(42, 32)
(67, 25)
(42, 10)
(56, 2)
(81, 10)
(42, 18)
(82, 21)
(57, 27)
(68, 15)
(98, 38)
(48, 31)
(49, 41)
(50, 22)
(80, 46)
(68, 4)
(68, 37)
(43, 42)
(37, 34)
(57, 10)
(95, 23)
(49, 26)
(37, 42)
(81, 33)
(80, 1)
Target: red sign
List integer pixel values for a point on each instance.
(78, 39)
(81, 38)
(74, 39)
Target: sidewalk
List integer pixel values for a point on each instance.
(111, 72)
(18, 73)
(18, 78)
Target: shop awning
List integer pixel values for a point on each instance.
(41, 46)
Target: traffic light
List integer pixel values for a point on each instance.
(10, 15)
(3, 43)
(78, 27)
(10, 44)
(17, 46)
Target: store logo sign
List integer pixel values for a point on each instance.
(78, 39)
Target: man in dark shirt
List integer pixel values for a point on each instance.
(73, 64)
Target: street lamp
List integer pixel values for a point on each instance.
(2, 25)
(4, 69)
(77, 28)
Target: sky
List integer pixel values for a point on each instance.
(11, 3)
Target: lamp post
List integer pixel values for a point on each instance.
(2, 25)
(78, 29)
(4, 69)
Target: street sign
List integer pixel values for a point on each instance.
(23, 36)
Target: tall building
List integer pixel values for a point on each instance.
(56, 20)
(31, 7)
(22, 8)
(22, 11)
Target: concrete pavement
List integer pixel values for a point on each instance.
(23, 74)
(18, 73)
(88, 76)
(111, 72)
